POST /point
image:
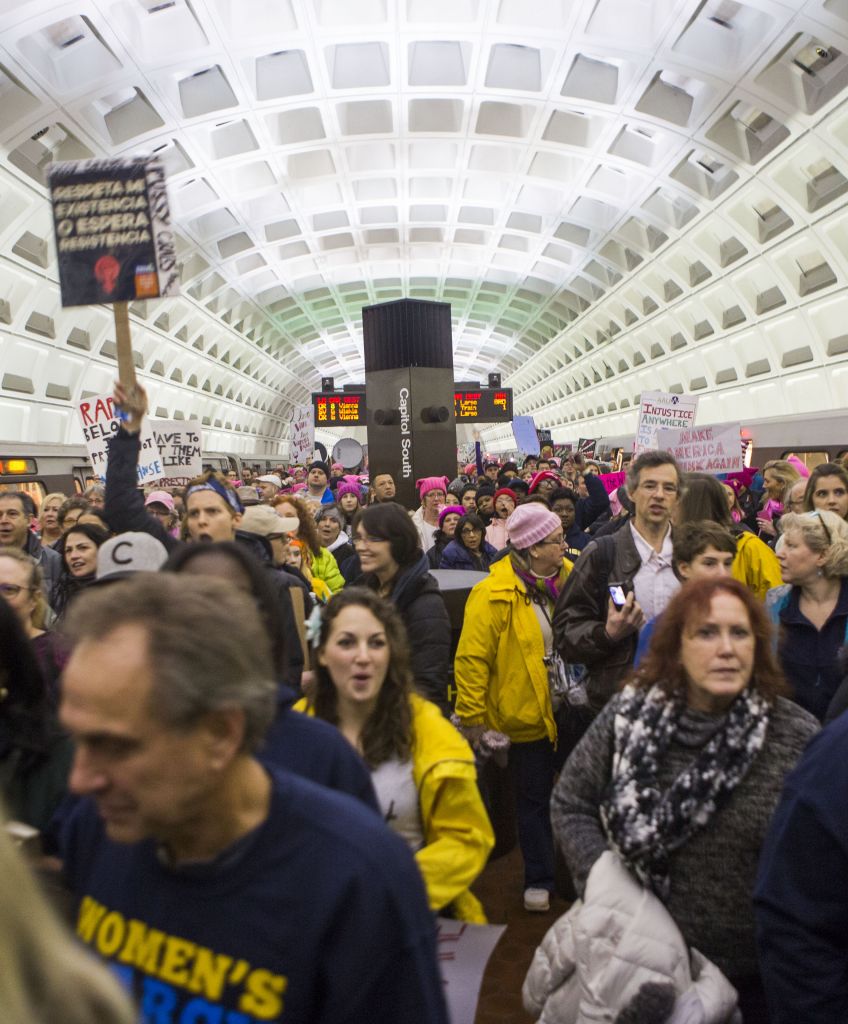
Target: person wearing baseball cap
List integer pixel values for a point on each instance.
(506, 678)
(126, 554)
(161, 504)
(268, 486)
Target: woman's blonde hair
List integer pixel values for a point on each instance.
(785, 472)
(822, 531)
(45, 975)
(53, 494)
(41, 612)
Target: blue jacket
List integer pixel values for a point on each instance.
(801, 896)
(455, 556)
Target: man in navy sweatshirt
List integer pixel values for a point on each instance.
(801, 897)
(221, 889)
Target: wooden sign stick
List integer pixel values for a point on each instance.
(126, 366)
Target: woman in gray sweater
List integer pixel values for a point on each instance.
(682, 770)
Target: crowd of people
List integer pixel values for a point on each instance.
(253, 688)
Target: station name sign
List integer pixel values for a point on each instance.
(347, 408)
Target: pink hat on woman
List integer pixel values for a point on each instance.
(531, 523)
(431, 483)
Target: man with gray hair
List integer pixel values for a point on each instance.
(218, 888)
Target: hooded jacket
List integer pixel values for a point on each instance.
(500, 673)
(416, 595)
(457, 832)
(49, 561)
(755, 564)
(594, 960)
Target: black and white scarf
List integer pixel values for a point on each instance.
(645, 824)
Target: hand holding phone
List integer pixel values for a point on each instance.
(618, 592)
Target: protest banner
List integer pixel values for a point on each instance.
(463, 951)
(302, 434)
(524, 432)
(586, 447)
(661, 410)
(114, 238)
(100, 421)
(113, 230)
(705, 449)
(179, 444)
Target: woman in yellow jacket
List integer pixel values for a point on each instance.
(322, 564)
(755, 564)
(503, 681)
(422, 769)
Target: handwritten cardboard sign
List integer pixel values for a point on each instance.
(179, 444)
(705, 449)
(302, 434)
(662, 410)
(463, 951)
(100, 422)
(113, 230)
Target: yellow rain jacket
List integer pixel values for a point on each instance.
(457, 832)
(500, 674)
(755, 565)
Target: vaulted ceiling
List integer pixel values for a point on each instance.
(613, 195)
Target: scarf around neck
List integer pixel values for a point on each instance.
(645, 823)
(543, 586)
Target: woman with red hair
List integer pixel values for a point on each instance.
(681, 772)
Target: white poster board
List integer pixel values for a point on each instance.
(705, 449)
(662, 410)
(179, 444)
(100, 421)
(302, 434)
(463, 951)
(524, 432)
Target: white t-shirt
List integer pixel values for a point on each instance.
(398, 800)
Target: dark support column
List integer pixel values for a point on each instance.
(409, 392)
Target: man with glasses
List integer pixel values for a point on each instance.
(15, 533)
(592, 629)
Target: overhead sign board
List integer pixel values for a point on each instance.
(483, 405)
(114, 238)
(339, 408)
(478, 405)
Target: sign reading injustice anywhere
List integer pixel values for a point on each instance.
(705, 449)
(113, 230)
(662, 410)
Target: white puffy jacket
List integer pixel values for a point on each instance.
(596, 957)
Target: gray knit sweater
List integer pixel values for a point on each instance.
(712, 875)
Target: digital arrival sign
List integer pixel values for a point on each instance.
(339, 409)
(114, 237)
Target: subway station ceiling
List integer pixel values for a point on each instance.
(613, 195)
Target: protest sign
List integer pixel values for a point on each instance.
(705, 449)
(586, 447)
(463, 951)
(661, 410)
(302, 434)
(179, 444)
(612, 481)
(113, 230)
(100, 421)
(524, 432)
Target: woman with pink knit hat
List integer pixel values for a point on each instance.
(433, 491)
(508, 678)
(349, 501)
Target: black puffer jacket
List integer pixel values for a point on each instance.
(417, 597)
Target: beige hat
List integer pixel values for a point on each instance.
(264, 521)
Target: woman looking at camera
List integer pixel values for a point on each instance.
(422, 769)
